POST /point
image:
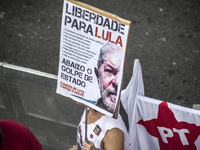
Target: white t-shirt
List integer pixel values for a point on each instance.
(97, 130)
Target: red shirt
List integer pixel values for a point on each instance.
(16, 136)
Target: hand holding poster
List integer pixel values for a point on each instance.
(92, 55)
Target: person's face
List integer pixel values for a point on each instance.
(109, 78)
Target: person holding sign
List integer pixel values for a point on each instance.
(108, 75)
(103, 132)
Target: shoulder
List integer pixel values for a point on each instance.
(116, 132)
(114, 139)
(111, 123)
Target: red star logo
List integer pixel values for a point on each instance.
(171, 134)
(91, 136)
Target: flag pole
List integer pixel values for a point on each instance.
(86, 113)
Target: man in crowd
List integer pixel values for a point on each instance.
(104, 132)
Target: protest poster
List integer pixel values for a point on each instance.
(82, 76)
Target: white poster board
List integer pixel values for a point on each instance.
(84, 31)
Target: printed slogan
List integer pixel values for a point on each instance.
(84, 31)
